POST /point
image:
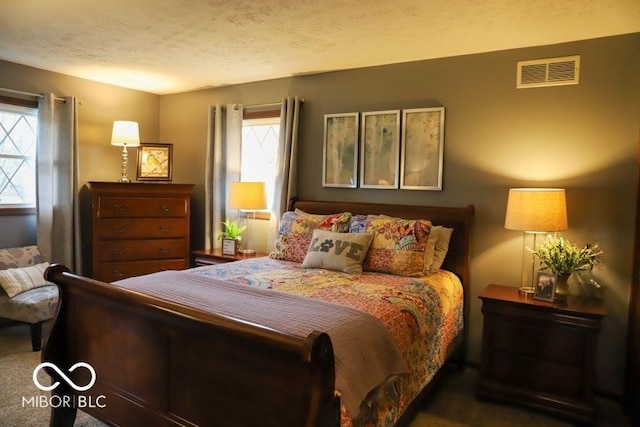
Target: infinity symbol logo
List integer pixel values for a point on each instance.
(64, 377)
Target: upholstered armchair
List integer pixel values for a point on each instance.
(32, 300)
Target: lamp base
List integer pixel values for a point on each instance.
(247, 252)
(125, 161)
(526, 290)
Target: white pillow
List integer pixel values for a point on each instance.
(18, 280)
(441, 248)
(337, 251)
(430, 249)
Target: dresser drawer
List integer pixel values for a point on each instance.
(535, 374)
(113, 228)
(540, 341)
(130, 250)
(112, 271)
(137, 207)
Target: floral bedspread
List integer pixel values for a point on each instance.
(423, 314)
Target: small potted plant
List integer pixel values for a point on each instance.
(564, 258)
(231, 236)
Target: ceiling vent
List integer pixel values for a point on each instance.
(549, 72)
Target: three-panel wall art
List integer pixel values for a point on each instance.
(384, 149)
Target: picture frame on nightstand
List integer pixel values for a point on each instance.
(545, 289)
(229, 246)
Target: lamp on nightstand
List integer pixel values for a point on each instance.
(534, 211)
(247, 196)
(125, 134)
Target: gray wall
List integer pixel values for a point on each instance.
(583, 138)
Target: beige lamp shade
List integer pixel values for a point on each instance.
(536, 210)
(125, 134)
(249, 196)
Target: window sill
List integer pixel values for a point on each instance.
(7, 211)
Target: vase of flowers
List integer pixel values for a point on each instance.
(564, 258)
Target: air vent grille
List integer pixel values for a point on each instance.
(549, 72)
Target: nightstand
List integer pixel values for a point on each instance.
(540, 354)
(214, 256)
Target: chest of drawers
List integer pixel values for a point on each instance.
(139, 228)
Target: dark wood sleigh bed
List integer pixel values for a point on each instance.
(139, 347)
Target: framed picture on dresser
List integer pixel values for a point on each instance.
(155, 161)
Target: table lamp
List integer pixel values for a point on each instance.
(247, 196)
(125, 134)
(534, 211)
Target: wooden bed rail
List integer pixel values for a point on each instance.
(183, 366)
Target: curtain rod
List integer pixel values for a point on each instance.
(269, 104)
(19, 92)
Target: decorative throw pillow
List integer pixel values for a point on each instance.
(441, 248)
(398, 244)
(337, 251)
(18, 280)
(338, 222)
(296, 229)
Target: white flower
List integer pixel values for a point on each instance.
(563, 257)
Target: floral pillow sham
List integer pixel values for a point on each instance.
(296, 229)
(398, 246)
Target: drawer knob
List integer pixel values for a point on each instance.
(120, 208)
(164, 229)
(165, 208)
(117, 273)
(120, 229)
(165, 250)
(119, 251)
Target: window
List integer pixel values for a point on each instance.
(18, 142)
(259, 152)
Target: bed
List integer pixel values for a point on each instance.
(162, 361)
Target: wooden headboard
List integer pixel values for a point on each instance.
(458, 258)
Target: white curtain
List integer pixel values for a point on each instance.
(287, 162)
(58, 224)
(222, 166)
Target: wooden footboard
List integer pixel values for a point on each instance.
(160, 363)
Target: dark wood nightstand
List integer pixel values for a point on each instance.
(214, 256)
(540, 354)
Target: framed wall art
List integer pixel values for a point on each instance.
(379, 149)
(155, 161)
(340, 155)
(422, 149)
(545, 289)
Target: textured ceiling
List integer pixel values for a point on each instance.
(168, 46)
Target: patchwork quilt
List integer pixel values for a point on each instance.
(423, 314)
